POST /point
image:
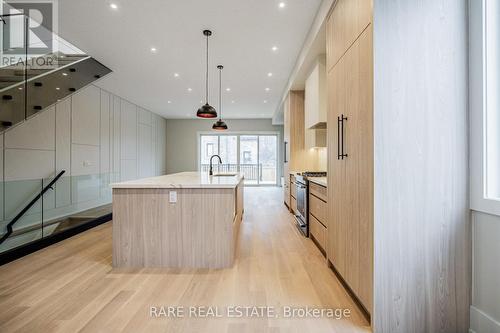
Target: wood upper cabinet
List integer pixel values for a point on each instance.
(297, 157)
(350, 213)
(347, 21)
(294, 109)
(286, 121)
(293, 140)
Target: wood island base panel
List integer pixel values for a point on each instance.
(198, 230)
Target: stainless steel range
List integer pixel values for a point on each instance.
(302, 187)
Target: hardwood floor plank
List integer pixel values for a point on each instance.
(71, 286)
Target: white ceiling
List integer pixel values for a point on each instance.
(243, 35)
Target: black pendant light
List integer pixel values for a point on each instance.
(220, 125)
(206, 111)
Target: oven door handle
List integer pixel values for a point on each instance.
(300, 222)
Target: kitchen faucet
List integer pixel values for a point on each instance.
(220, 162)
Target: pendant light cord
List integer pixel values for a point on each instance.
(206, 78)
(220, 93)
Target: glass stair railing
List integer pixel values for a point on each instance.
(35, 210)
(37, 70)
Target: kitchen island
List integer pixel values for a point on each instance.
(182, 220)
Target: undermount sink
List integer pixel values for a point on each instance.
(225, 174)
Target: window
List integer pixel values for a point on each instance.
(210, 146)
(255, 155)
(492, 110)
(484, 99)
(268, 156)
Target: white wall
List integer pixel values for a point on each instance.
(97, 137)
(182, 136)
(485, 309)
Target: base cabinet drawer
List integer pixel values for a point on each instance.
(318, 191)
(318, 231)
(318, 208)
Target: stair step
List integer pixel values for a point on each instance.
(43, 89)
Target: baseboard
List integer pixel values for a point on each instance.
(26, 249)
(481, 322)
(351, 293)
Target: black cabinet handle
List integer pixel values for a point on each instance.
(284, 157)
(340, 139)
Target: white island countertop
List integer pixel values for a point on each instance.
(184, 180)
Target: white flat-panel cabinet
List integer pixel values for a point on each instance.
(315, 106)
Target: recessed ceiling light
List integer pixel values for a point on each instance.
(169, 102)
(113, 6)
(189, 89)
(65, 74)
(269, 74)
(57, 88)
(176, 74)
(282, 4)
(274, 48)
(20, 88)
(232, 102)
(265, 101)
(153, 49)
(228, 89)
(267, 89)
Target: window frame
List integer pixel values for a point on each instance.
(477, 110)
(238, 134)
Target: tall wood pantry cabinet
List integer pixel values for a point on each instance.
(350, 146)
(399, 231)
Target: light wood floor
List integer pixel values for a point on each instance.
(72, 287)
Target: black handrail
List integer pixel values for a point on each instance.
(8, 15)
(28, 206)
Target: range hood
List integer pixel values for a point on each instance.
(315, 105)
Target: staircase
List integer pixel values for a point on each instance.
(30, 82)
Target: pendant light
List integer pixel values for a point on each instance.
(220, 125)
(206, 111)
